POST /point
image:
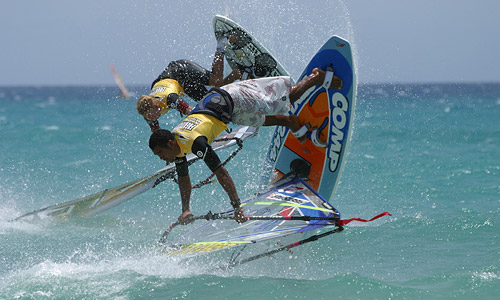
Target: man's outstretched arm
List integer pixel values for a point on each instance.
(227, 184)
(185, 190)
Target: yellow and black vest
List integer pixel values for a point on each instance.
(196, 125)
(162, 89)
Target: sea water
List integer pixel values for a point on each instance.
(429, 154)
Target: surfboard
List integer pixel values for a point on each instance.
(247, 53)
(99, 202)
(328, 111)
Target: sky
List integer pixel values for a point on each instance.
(64, 42)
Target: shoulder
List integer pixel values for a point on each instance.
(200, 146)
(203, 150)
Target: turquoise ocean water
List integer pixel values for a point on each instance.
(429, 154)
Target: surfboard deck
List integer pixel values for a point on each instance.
(247, 53)
(329, 110)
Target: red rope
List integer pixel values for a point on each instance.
(345, 222)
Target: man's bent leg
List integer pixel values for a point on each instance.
(316, 78)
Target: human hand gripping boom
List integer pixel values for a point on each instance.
(239, 215)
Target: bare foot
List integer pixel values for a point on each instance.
(233, 38)
(186, 218)
(336, 81)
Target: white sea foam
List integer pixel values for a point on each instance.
(50, 127)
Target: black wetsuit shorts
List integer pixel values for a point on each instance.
(192, 77)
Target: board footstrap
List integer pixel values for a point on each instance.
(328, 77)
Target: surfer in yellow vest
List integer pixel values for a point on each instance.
(254, 102)
(184, 77)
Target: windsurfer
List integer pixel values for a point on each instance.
(255, 102)
(184, 77)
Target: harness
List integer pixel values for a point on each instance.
(217, 103)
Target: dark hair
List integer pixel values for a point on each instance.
(160, 138)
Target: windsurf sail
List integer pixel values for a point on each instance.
(99, 202)
(118, 80)
(275, 215)
(94, 204)
(287, 207)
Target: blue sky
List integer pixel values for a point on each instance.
(63, 42)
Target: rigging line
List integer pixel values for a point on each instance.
(236, 253)
(175, 224)
(287, 247)
(208, 180)
(100, 198)
(220, 216)
(171, 174)
(347, 221)
(290, 204)
(240, 146)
